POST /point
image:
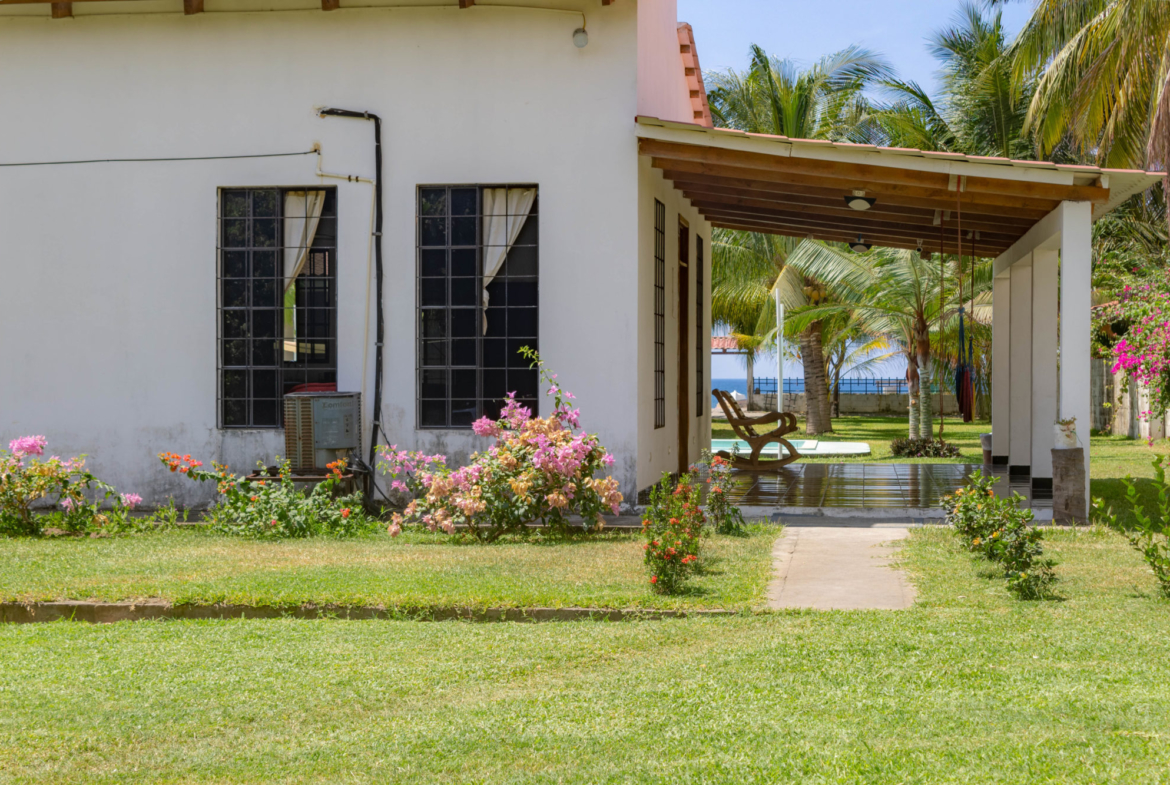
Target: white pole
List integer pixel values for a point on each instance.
(779, 352)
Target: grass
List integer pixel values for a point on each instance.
(416, 570)
(968, 686)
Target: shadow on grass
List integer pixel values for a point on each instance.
(1113, 493)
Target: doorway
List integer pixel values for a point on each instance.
(684, 351)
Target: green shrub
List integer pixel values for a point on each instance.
(276, 507)
(1003, 532)
(673, 527)
(923, 448)
(81, 502)
(721, 513)
(1150, 535)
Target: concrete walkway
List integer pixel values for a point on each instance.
(840, 567)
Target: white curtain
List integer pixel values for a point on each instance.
(504, 212)
(302, 213)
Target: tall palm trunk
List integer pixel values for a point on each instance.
(816, 388)
(913, 385)
(925, 404)
(922, 349)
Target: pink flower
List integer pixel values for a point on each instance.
(485, 427)
(28, 445)
(68, 504)
(394, 529)
(131, 500)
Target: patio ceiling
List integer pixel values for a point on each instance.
(798, 187)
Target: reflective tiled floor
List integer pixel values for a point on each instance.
(868, 485)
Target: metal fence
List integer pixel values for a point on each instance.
(767, 387)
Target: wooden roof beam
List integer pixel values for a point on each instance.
(929, 245)
(192, 7)
(871, 233)
(937, 198)
(61, 10)
(889, 175)
(330, 5)
(816, 206)
(787, 191)
(858, 224)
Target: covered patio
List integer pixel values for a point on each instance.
(1033, 218)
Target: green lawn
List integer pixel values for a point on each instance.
(415, 570)
(969, 686)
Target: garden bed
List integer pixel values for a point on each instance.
(412, 571)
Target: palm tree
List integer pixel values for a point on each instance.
(1103, 70)
(891, 293)
(983, 109)
(774, 96)
(747, 271)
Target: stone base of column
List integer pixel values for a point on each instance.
(1068, 486)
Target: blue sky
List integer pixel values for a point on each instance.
(806, 31)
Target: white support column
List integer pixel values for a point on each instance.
(1045, 293)
(1076, 274)
(1001, 367)
(1020, 439)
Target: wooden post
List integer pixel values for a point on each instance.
(62, 10)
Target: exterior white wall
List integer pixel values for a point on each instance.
(108, 330)
(1045, 292)
(658, 447)
(1021, 364)
(663, 91)
(1076, 306)
(1001, 366)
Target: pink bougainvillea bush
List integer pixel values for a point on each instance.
(1143, 353)
(539, 471)
(81, 502)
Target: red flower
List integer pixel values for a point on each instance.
(345, 513)
(654, 579)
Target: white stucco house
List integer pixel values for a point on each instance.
(187, 236)
(196, 219)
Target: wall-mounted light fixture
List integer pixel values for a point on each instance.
(581, 38)
(859, 201)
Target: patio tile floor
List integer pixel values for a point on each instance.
(870, 485)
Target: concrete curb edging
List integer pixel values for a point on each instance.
(110, 612)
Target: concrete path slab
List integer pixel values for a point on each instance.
(839, 568)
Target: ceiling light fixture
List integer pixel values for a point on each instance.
(861, 246)
(859, 201)
(580, 38)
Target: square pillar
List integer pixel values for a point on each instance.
(1045, 296)
(1020, 331)
(1076, 303)
(1001, 368)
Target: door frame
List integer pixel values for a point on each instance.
(684, 346)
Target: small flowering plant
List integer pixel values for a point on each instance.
(673, 528)
(1143, 353)
(275, 507)
(83, 503)
(540, 470)
(722, 514)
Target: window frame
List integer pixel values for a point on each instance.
(223, 249)
(700, 375)
(481, 367)
(659, 315)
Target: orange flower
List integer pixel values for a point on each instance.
(345, 513)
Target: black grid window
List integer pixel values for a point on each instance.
(702, 397)
(659, 314)
(469, 334)
(276, 334)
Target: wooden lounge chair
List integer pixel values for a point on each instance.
(744, 428)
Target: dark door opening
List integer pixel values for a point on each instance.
(684, 351)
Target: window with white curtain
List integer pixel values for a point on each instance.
(276, 291)
(478, 301)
